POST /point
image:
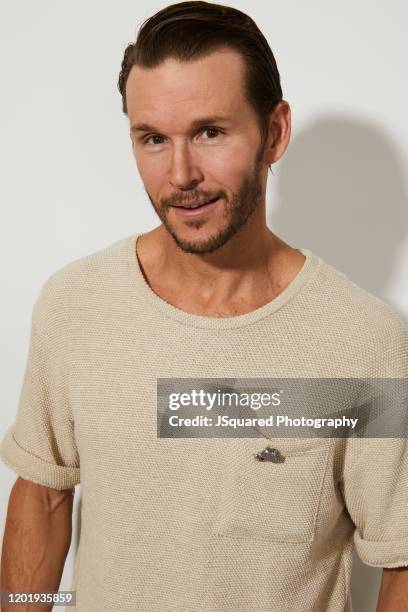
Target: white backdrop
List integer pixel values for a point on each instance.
(70, 186)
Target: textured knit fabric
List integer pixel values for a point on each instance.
(197, 525)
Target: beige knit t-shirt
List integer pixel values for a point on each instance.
(197, 525)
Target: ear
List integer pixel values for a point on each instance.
(279, 132)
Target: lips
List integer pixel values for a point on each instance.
(194, 205)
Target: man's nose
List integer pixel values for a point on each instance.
(184, 170)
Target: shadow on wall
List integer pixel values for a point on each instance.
(340, 190)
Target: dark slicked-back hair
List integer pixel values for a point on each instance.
(189, 30)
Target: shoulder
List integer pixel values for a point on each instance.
(361, 319)
(354, 304)
(80, 285)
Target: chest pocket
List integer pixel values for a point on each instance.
(271, 500)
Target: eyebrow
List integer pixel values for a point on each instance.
(145, 127)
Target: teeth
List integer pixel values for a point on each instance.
(195, 205)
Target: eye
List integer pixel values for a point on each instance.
(155, 136)
(212, 131)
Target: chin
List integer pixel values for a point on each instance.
(206, 243)
(195, 245)
(197, 248)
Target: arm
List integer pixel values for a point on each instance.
(393, 595)
(36, 540)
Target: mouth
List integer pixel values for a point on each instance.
(195, 205)
(196, 208)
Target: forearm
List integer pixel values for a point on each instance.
(36, 540)
(393, 595)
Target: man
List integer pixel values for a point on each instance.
(198, 524)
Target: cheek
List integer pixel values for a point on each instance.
(151, 171)
(227, 166)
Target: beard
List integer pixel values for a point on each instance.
(237, 210)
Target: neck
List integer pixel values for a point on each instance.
(248, 271)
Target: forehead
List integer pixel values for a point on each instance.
(211, 84)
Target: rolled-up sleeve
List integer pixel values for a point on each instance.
(40, 445)
(375, 471)
(375, 491)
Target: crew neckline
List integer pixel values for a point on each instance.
(139, 284)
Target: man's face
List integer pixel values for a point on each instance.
(195, 139)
